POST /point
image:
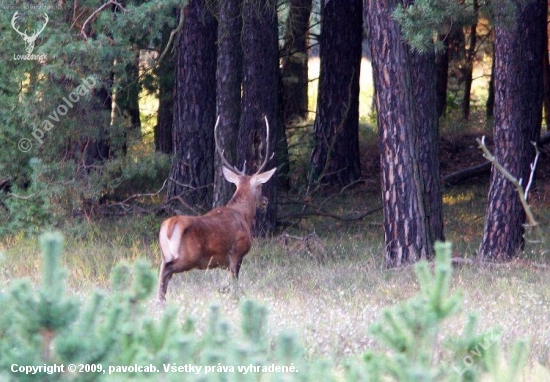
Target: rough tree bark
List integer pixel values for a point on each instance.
(423, 71)
(335, 154)
(229, 79)
(260, 96)
(192, 169)
(406, 225)
(519, 48)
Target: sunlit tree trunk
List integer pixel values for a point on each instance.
(396, 74)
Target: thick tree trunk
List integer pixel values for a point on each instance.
(260, 97)
(295, 59)
(229, 79)
(192, 170)
(406, 225)
(335, 154)
(518, 113)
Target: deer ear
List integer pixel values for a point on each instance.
(263, 177)
(230, 176)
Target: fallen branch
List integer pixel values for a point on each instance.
(348, 218)
(470, 172)
(512, 179)
(482, 169)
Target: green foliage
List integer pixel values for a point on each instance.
(47, 138)
(425, 20)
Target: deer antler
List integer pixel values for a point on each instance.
(267, 157)
(220, 152)
(233, 168)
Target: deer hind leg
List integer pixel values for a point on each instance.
(234, 268)
(165, 274)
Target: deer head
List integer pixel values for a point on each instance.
(29, 40)
(239, 178)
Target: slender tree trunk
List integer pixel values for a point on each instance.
(406, 225)
(165, 114)
(490, 105)
(295, 59)
(97, 146)
(260, 92)
(442, 77)
(546, 76)
(229, 79)
(192, 171)
(518, 112)
(470, 58)
(128, 95)
(335, 154)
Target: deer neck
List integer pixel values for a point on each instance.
(244, 202)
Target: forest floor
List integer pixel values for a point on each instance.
(323, 278)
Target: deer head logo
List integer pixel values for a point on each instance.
(29, 40)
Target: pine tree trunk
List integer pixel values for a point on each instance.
(229, 75)
(468, 70)
(442, 70)
(518, 112)
(260, 98)
(546, 77)
(490, 105)
(335, 154)
(423, 71)
(192, 170)
(165, 114)
(128, 95)
(97, 146)
(406, 226)
(295, 62)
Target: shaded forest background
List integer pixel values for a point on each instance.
(403, 90)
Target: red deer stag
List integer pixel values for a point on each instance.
(220, 238)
